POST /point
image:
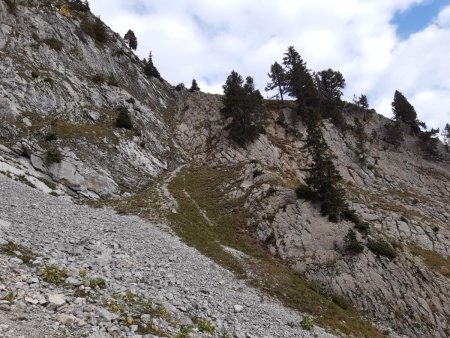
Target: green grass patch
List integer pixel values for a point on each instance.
(15, 250)
(54, 275)
(201, 191)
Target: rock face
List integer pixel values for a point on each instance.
(60, 92)
(403, 197)
(66, 97)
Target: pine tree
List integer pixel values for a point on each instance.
(242, 103)
(150, 69)
(429, 143)
(404, 111)
(323, 181)
(194, 86)
(363, 102)
(131, 40)
(330, 84)
(277, 77)
(300, 85)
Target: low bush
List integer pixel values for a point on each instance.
(54, 44)
(95, 30)
(381, 248)
(98, 78)
(124, 119)
(204, 325)
(53, 156)
(306, 324)
(12, 6)
(54, 275)
(351, 244)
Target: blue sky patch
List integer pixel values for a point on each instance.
(417, 17)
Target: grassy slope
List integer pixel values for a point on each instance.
(201, 191)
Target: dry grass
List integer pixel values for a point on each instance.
(432, 260)
(201, 191)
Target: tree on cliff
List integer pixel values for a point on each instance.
(131, 40)
(242, 103)
(149, 67)
(277, 76)
(194, 86)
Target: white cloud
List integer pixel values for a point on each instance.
(206, 39)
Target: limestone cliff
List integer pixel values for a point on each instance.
(60, 95)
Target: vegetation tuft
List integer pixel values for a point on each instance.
(381, 248)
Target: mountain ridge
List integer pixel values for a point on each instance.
(177, 165)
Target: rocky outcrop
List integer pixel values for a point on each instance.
(71, 89)
(402, 196)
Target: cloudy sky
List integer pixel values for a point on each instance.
(378, 45)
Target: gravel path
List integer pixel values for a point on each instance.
(134, 258)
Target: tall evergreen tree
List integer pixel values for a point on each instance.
(242, 103)
(149, 67)
(323, 181)
(194, 86)
(363, 102)
(131, 40)
(300, 84)
(429, 143)
(330, 84)
(404, 111)
(277, 77)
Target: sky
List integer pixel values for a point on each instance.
(378, 45)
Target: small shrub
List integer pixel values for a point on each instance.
(16, 250)
(130, 100)
(12, 6)
(99, 283)
(34, 74)
(54, 275)
(53, 156)
(360, 225)
(124, 119)
(98, 78)
(53, 193)
(34, 36)
(351, 243)
(382, 248)
(95, 30)
(306, 324)
(51, 137)
(304, 192)
(257, 172)
(436, 228)
(25, 180)
(180, 87)
(54, 44)
(204, 325)
(185, 331)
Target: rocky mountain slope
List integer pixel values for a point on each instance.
(61, 91)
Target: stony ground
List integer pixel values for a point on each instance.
(120, 277)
